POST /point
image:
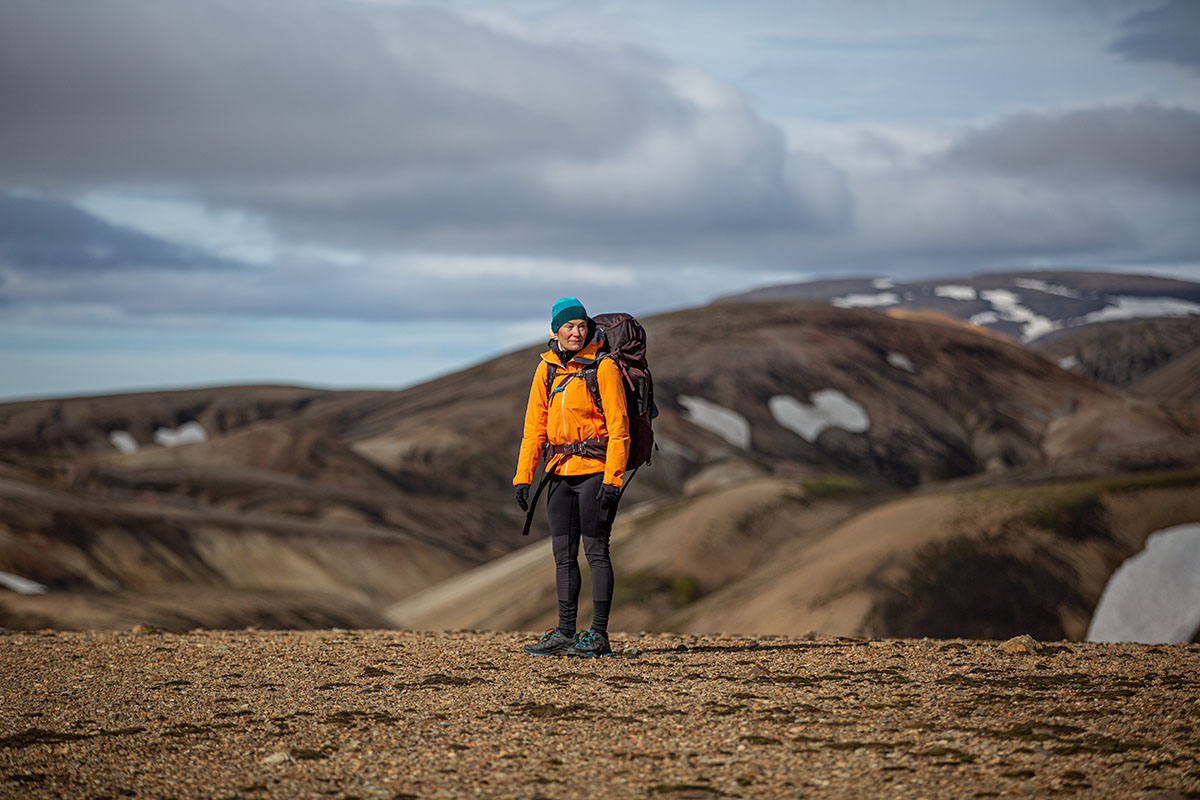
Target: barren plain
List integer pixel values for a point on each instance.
(333, 713)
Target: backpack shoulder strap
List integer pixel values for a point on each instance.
(551, 371)
(593, 385)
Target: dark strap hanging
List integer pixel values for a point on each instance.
(533, 503)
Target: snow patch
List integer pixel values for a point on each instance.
(187, 433)
(1154, 597)
(882, 283)
(729, 425)
(830, 409)
(1070, 362)
(123, 442)
(21, 585)
(956, 292)
(1048, 288)
(1008, 307)
(866, 300)
(1141, 307)
(901, 361)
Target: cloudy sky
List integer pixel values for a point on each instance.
(347, 193)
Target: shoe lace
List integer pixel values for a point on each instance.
(548, 634)
(588, 637)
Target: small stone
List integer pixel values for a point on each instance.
(758, 671)
(630, 650)
(143, 628)
(1019, 645)
(277, 758)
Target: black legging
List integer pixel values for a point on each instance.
(574, 511)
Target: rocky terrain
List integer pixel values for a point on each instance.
(386, 714)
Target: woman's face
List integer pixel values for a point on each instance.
(572, 335)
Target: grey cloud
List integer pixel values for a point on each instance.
(389, 129)
(694, 194)
(1170, 32)
(392, 127)
(211, 89)
(1142, 143)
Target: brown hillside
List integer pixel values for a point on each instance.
(1126, 352)
(779, 556)
(1176, 382)
(424, 474)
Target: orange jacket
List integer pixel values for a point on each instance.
(569, 415)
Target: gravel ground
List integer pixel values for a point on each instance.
(390, 714)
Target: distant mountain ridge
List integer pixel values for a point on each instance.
(1023, 305)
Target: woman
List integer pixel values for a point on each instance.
(586, 451)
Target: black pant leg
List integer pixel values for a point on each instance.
(562, 509)
(596, 528)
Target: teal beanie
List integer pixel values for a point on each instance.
(566, 309)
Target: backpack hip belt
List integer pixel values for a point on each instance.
(592, 448)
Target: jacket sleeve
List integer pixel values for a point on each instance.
(612, 394)
(534, 435)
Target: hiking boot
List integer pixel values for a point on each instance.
(552, 643)
(589, 644)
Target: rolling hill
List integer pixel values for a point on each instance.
(780, 422)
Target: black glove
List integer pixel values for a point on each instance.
(608, 495)
(522, 492)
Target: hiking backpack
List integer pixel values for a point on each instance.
(625, 343)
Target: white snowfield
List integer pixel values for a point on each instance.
(1048, 288)
(729, 425)
(901, 361)
(1068, 362)
(123, 442)
(866, 300)
(1007, 306)
(955, 292)
(20, 585)
(882, 283)
(187, 433)
(1154, 597)
(830, 409)
(1140, 307)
